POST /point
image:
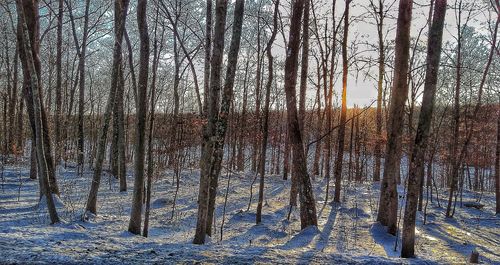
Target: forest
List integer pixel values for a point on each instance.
(249, 132)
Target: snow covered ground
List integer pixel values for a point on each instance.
(347, 233)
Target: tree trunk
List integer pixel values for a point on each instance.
(265, 127)
(134, 225)
(215, 130)
(307, 202)
(380, 84)
(343, 115)
(212, 108)
(150, 169)
(58, 116)
(417, 161)
(304, 68)
(81, 97)
(121, 5)
(29, 47)
(388, 205)
(31, 16)
(208, 55)
(497, 167)
(240, 157)
(227, 97)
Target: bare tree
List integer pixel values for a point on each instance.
(265, 127)
(388, 205)
(152, 99)
(304, 66)
(58, 116)
(308, 215)
(120, 5)
(343, 114)
(212, 105)
(459, 156)
(28, 39)
(81, 97)
(215, 129)
(142, 88)
(434, 45)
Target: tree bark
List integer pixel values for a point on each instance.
(343, 114)
(30, 18)
(304, 67)
(388, 206)
(212, 109)
(497, 167)
(417, 161)
(29, 48)
(81, 91)
(150, 169)
(208, 55)
(265, 127)
(227, 97)
(134, 225)
(308, 215)
(215, 130)
(115, 81)
(58, 116)
(380, 88)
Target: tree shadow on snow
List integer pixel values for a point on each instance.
(384, 239)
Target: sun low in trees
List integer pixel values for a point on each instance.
(343, 115)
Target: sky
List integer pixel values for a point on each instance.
(363, 92)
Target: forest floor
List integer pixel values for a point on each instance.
(347, 232)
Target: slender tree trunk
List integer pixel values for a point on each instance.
(308, 215)
(121, 5)
(380, 88)
(81, 97)
(227, 97)
(136, 212)
(215, 130)
(456, 122)
(265, 127)
(150, 169)
(119, 158)
(28, 39)
(304, 67)
(388, 205)
(208, 55)
(31, 17)
(258, 77)
(12, 148)
(240, 157)
(20, 127)
(417, 161)
(343, 115)
(58, 116)
(212, 109)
